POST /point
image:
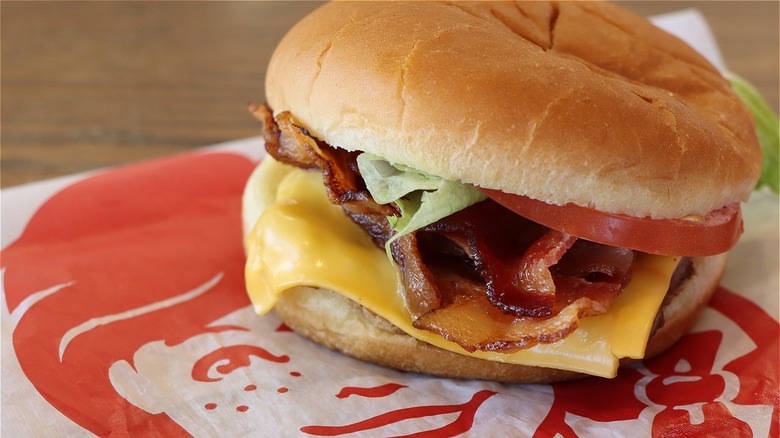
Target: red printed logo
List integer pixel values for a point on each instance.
(692, 390)
(461, 424)
(113, 262)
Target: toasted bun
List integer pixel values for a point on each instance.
(577, 102)
(339, 323)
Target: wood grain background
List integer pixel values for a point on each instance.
(92, 84)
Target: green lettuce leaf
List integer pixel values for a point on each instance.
(422, 198)
(767, 129)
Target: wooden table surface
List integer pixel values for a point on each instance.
(93, 84)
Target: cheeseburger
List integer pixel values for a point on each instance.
(528, 191)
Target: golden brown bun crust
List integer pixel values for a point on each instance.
(339, 323)
(564, 102)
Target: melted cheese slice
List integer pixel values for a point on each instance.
(302, 239)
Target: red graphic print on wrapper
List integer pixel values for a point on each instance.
(690, 363)
(116, 242)
(757, 372)
(237, 356)
(683, 377)
(460, 425)
(372, 392)
(595, 398)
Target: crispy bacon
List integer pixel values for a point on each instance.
(531, 278)
(292, 144)
(506, 250)
(475, 324)
(421, 293)
(485, 277)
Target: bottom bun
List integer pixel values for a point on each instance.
(341, 324)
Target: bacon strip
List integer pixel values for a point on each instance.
(518, 302)
(511, 254)
(475, 324)
(532, 281)
(292, 144)
(485, 277)
(420, 291)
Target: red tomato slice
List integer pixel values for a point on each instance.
(712, 234)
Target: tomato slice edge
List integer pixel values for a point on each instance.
(715, 233)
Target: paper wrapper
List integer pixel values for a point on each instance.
(124, 313)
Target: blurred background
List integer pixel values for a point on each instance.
(87, 85)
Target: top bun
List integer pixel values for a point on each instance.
(566, 102)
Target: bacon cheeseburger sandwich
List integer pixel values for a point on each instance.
(525, 191)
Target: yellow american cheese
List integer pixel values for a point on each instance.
(304, 240)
